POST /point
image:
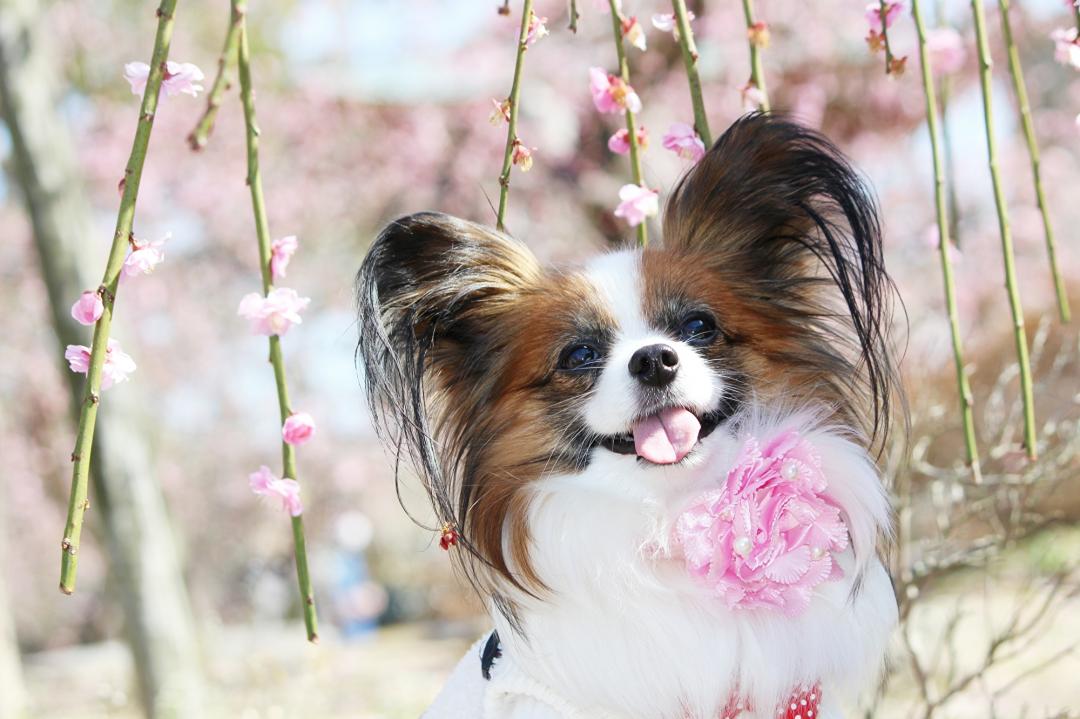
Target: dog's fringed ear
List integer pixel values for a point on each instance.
(777, 206)
(430, 294)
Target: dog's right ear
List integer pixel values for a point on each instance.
(431, 294)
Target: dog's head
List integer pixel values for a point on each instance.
(491, 371)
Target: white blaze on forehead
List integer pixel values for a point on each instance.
(617, 279)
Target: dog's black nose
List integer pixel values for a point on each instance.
(655, 365)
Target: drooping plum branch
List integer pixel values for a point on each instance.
(508, 110)
(1020, 88)
(287, 487)
(201, 134)
(690, 60)
(619, 26)
(945, 248)
(95, 362)
(757, 36)
(1005, 230)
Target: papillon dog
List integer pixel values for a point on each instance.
(564, 419)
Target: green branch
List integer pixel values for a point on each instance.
(631, 121)
(78, 502)
(690, 58)
(262, 232)
(1013, 291)
(1020, 87)
(757, 74)
(964, 387)
(198, 137)
(511, 132)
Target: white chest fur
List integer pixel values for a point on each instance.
(627, 632)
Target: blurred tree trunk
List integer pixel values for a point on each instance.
(144, 561)
(12, 694)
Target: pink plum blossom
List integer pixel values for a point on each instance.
(667, 22)
(766, 537)
(118, 365)
(893, 8)
(281, 251)
(298, 428)
(634, 33)
(1066, 47)
(610, 93)
(265, 484)
(275, 313)
(684, 142)
(180, 77)
(521, 155)
(752, 96)
(946, 49)
(636, 203)
(619, 143)
(88, 308)
(144, 257)
(137, 73)
(501, 113)
(536, 29)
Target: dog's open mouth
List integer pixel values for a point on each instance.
(667, 436)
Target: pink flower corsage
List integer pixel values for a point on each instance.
(767, 536)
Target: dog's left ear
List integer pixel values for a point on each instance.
(776, 206)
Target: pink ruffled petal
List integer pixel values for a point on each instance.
(767, 535)
(790, 567)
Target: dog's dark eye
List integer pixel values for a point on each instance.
(579, 356)
(697, 329)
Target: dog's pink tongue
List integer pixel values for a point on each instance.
(667, 437)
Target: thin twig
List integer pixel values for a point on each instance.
(262, 232)
(1013, 290)
(690, 58)
(757, 74)
(199, 136)
(944, 246)
(631, 122)
(574, 15)
(883, 13)
(514, 100)
(78, 502)
(1020, 87)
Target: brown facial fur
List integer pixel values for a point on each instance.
(763, 350)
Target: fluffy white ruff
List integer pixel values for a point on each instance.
(625, 632)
